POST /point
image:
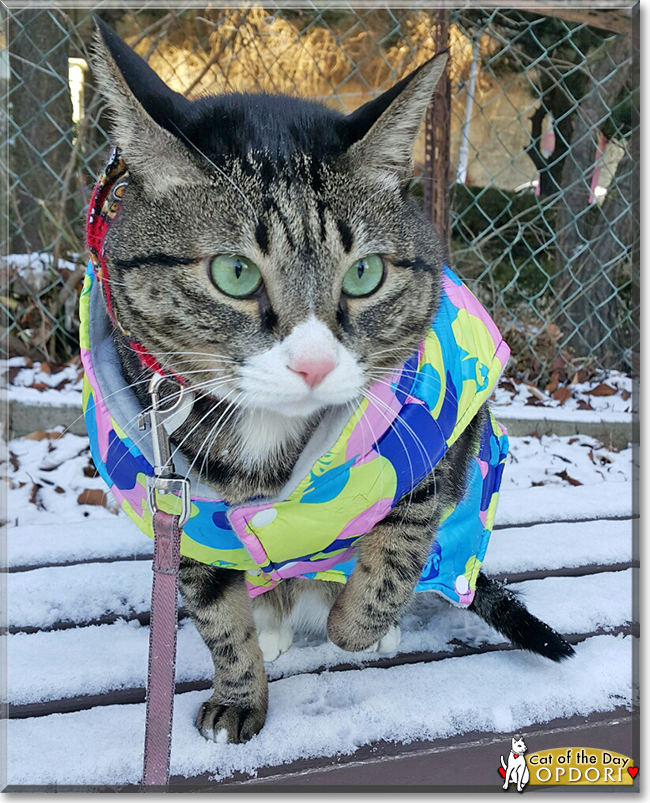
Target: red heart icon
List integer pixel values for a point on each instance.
(633, 771)
(503, 772)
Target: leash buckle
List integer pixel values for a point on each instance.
(164, 479)
(178, 486)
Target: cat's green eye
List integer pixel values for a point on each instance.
(235, 276)
(364, 277)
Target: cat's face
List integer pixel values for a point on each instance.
(266, 248)
(518, 745)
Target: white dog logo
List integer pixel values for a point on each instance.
(516, 770)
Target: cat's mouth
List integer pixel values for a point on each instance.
(305, 408)
(290, 394)
(292, 401)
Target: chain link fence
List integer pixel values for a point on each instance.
(536, 162)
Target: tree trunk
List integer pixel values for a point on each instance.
(586, 235)
(601, 268)
(558, 100)
(41, 111)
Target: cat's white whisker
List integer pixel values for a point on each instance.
(230, 409)
(131, 387)
(417, 440)
(210, 411)
(415, 436)
(137, 441)
(381, 380)
(363, 420)
(422, 448)
(377, 401)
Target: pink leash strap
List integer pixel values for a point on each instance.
(167, 529)
(162, 649)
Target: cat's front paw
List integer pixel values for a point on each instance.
(352, 633)
(227, 724)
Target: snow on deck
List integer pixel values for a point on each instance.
(74, 659)
(565, 510)
(329, 714)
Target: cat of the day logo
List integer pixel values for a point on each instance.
(515, 769)
(565, 766)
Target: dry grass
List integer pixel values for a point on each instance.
(418, 45)
(249, 49)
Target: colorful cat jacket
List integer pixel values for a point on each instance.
(399, 432)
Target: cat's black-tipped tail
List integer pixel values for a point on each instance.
(501, 609)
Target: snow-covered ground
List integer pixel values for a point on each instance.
(35, 383)
(566, 504)
(51, 475)
(38, 263)
(605, 392)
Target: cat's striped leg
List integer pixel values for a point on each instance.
(391, 557)
(389, 563)
(218, 602)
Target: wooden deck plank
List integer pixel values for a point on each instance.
(424, 766)
(107, 619)
(138, 695)
(509, 577)
(122, 588)
(148, 555)
(464, 763)
(75, 562)
(467, 763)
(429, 628)
(102, 718)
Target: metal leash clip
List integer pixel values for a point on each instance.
(164, 479)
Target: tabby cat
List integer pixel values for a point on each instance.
(269, 251)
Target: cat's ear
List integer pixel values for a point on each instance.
(383, 131)
(145, 112)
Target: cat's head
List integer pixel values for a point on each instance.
(518, 745)
(267, 248)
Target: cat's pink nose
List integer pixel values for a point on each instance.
(312, 370)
